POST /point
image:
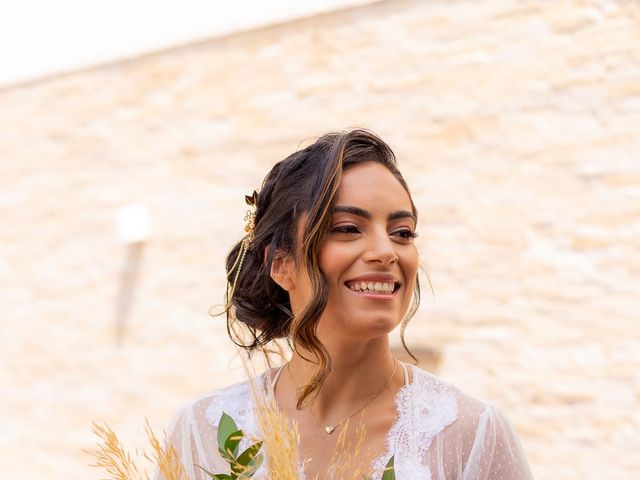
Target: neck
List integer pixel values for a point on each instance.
(357, 373)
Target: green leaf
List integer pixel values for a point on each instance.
(237, 469)
(216, 476)
(246, 456)
(228, 458)
(226, 427)
(252, 467)
(389, 471)
(243, 462)
(231, 444)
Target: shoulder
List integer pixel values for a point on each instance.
(469, 417)
(433, 385)
(473, 434)
(461, 410)
(235, 400)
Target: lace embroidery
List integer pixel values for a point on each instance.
(236, 402)
(424, 408)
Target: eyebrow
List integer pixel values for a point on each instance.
(365, 214)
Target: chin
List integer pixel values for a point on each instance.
(360, 324)
(375, 326)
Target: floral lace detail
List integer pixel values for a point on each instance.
(425, 407)
(236, 402)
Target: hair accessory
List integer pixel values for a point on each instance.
(250, 216)
(250, 224)
(252, 199)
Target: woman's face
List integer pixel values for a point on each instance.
(369, 256)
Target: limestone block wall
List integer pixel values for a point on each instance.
(517, 125)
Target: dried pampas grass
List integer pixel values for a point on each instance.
(121, 465)
(280, 444)
(280, 435)
(344, 458)
(164, 458)
(282, 439)
(112, 456)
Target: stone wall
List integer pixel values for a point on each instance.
(517, 124)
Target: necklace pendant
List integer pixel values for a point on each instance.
(329, 429)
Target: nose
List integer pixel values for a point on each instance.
(380, 249)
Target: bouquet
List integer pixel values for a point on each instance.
(121, 465)
(279, 445)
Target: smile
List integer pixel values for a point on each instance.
(373, 287)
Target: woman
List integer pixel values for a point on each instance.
(329, 264)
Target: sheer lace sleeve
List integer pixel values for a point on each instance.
(480, 445)
(193, 430)
(194, 440)
(496, 453)
(440, 434)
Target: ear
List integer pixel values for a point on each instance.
(282, 271)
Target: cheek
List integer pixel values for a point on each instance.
(333, 262)
(410, 267)
(415, 263)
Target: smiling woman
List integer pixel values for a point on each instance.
(369, 258)
(329, 264)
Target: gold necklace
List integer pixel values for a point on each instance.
(329, 428)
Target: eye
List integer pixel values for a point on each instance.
(345, 229)
(405, 233)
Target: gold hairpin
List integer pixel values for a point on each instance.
(250, 224)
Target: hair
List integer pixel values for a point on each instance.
(303, 185)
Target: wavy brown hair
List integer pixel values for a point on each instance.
(302, 186)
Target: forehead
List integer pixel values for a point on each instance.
(372, 183)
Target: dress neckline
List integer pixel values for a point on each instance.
(380, 460)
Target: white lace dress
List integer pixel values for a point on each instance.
(439, 433)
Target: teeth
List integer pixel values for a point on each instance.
(378, 287)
